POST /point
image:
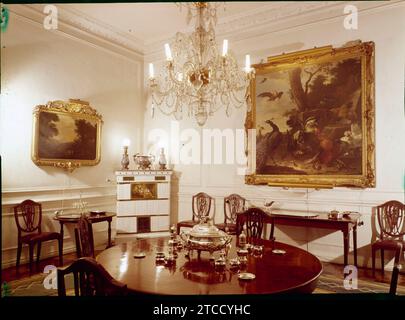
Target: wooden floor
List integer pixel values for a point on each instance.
(10, 274)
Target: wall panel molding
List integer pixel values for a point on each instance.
(366, 198)
(54, 205)
(13, 196)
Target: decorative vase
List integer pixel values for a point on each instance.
(162, 160)
(125, 159)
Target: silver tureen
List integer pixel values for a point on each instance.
(204, 236)
(144, 162)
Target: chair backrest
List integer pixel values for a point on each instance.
(201, 205)
(391, 219)
(395, 271)
(84, 238)
(254, 219)
(28, 216)
(90, 279)
(233, 205)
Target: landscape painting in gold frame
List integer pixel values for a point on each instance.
(312, 115)
(66, 134)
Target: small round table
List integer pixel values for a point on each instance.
(294, 271)
(93, 218)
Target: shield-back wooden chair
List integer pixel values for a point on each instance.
(234, 204)
(391, 220)
(254, 219)
(84, 238)
(201, 206)
(28, 217)
(90, 279)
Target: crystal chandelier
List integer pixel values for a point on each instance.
(196, 78)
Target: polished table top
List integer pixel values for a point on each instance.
(350, 217)
(294, 271)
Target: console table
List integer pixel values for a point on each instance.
(345, 224)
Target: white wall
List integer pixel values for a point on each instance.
(386, 27)
(38, 66)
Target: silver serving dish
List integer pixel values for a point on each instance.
(205, 237)
(143, 162)
(334, 214)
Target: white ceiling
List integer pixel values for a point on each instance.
(150, 22)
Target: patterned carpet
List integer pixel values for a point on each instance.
(328, 284)
(332, 284)
(34, 286)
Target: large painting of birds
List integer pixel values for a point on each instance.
(309, 118)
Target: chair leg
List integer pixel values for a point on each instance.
(382, 261)
(394, 280)
(373, 260)
(38, 251)
(395, 271)
(178, 229)
(31, 251)
(19, 249)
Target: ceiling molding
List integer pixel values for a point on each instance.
(275, 12)
(76, 25)
(273, 17)
(258, 20)
(78, 19)
(288, 15)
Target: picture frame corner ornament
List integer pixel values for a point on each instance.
(249, 179)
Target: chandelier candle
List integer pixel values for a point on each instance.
(151, 71)
(247, 63)
(168, 52)
(225, 48)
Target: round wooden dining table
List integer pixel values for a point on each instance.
(295, 271)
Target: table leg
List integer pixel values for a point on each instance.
(109, 234)
(272, 230)
(355, 244)
(78, 244)
(346, 236)
(61, 236)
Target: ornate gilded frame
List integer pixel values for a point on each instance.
(324, 54)
(76, 109)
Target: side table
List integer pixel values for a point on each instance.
(74, 218)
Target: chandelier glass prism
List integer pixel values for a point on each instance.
(197, 78)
